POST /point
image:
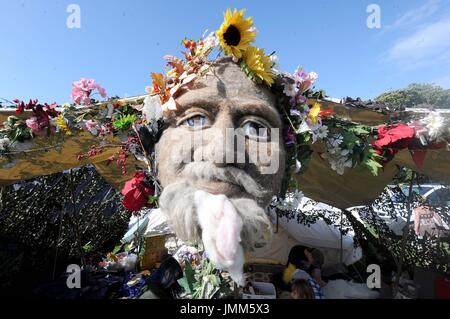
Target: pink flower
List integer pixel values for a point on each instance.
(92, 127)
(90, 124)
(49, 108)
(101, 91)
(106, 129)
(299, 76)
(33, 123)
(82, 89)
(303, 80)
(38, 123)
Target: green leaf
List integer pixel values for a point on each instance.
(350, 140)
(373, 166)
(359, 130)
(214, 280)
(124, 122)
(153, 200)
(188, 282)
(87, 248)
(183, 282)
(189, 272)
(117, 249)
(209, 291)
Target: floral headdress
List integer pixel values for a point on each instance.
(140, 122)
(303, 120)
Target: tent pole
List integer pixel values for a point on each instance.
(342, 241)
(404, 239)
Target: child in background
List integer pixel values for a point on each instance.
(301, 289)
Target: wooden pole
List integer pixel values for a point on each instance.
(404, 236)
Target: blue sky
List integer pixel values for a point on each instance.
(121, 42)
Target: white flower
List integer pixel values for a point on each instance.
(435, 124)
(320, 133)
(152, 109)
(211, 41)
(339, 158)
(4, 143)
(307, 126)
(303, 128)
(334, 150)
(274, 59)
(290, 89)
(294, 112)
(340, 170)
(291, 202)
(298, 166)
(110, 109)
(313, 76)
(348, 163)
(336, 140)
(275, 65)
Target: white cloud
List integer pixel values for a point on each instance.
(415, 16)
(428, 45)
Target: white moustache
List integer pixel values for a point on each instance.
(209, 172)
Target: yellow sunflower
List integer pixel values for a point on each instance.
(259, 64)
(236, 33)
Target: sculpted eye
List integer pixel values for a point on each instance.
(255, 130)
(196, 121)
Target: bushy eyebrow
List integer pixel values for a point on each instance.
(209, 105)
(262, 110)
(256, 108)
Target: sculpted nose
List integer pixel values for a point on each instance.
(221, 145)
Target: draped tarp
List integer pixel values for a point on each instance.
(356, 187)
(58, 155)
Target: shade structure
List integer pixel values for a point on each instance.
(356, 187)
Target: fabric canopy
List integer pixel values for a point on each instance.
(52, 159)
(356, 187)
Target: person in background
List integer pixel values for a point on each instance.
(305, 263)
(305, 258)
(300, 274)
(301, 289)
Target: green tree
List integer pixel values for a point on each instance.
(418, 95)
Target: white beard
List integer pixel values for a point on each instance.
(228, 227)
(221, 233)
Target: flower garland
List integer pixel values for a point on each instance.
(140, 123)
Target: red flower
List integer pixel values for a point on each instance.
(136, 193)
(326, 113)
(37, 108)
(394, 137)
(189, 44)
(21, 106)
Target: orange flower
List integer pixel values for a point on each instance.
(158, 83)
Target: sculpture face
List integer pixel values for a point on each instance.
(216, 106)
